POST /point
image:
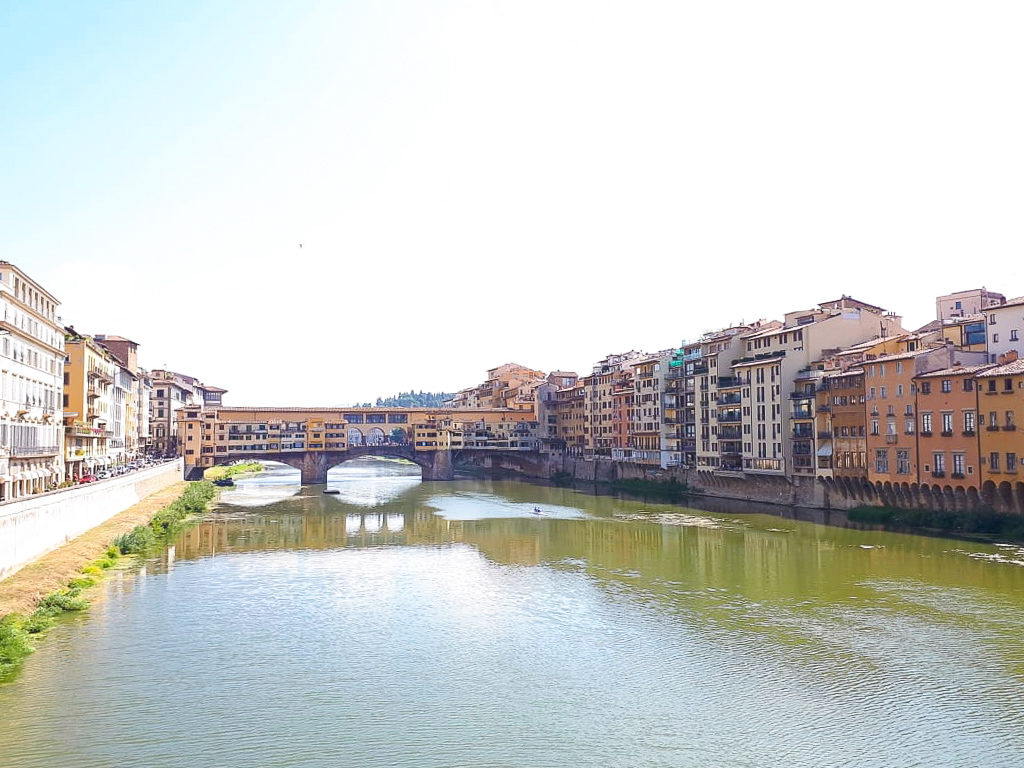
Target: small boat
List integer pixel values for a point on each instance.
(330, 491)
(538, 511)
(224, 482)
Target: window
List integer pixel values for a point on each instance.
(991, 319)
(883, 390)
(874, 426)
(993, 461)
(947, 385)
(926, 388)
(968, 385)
(926, 422)
(1009, 420)
(1011, 462)
(909, 427)
(903, 461)
(995, 338)
(1013, 335)
(958, 465)
(938, 463)
(969, 421)
(947, 423)
(882, 460)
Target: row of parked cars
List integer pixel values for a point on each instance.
(123, 469)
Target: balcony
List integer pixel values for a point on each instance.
(802, 395)
(700, 368)
(803, 414)
(891, 439)
(824, 435)
(730, 433)
(824, 409)
(946, 433)
(35, 450)
(766, 466)
(938, 473)
(729, 400)
(926, 433)
(729, 382)
(728, 417)
(1009, 427)
(83, 431)
(800, 433)
(968, 433)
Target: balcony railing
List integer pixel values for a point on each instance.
(729, 382)
(729, 416)
(801, 395)
(803, 434)
(891, 439)
(35, 450)
(803, 414)
(730, 400)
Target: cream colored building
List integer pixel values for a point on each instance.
(770, 411)
(31, 382)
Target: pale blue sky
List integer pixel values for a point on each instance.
(475, 182)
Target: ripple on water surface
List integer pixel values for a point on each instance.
(485, 639)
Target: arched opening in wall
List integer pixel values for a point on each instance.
(973, 500)
(375, 436)
(960, 497)
(398, 436)
(1005, 497)
(948, 499)
(988, 493)
(355, 437)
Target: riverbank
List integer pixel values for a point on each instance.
(233, 470)
(22, 591)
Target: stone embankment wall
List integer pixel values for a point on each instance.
(33, 526)
(771, 489)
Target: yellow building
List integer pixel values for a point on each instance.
(89, 372)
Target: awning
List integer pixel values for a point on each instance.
(825, 450)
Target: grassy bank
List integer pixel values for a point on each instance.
(231, 470)
(35, 596)
(981, 521)
(656, 490)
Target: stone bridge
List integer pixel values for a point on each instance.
(436, 465)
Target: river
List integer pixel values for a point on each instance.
(402, 623)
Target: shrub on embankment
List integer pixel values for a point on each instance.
(167, 521)
(980, 521)
(671, 491)
(16, 629)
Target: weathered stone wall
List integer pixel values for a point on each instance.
(31, 527)
(770, 489)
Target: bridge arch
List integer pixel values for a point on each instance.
(355, 436)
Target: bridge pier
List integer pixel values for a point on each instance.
(314, 468)
(440, 467)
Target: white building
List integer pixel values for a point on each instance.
(31, 384)
(1004, 325)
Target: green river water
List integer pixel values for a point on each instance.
(402, 623)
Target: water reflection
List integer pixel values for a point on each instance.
(438, 624)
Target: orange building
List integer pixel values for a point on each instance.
(1000, 400)
(947, 412)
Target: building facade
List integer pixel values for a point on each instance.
(31, 386)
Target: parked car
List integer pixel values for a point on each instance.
(87, 479)
(102, 475)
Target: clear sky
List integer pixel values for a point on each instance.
(478, 182)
